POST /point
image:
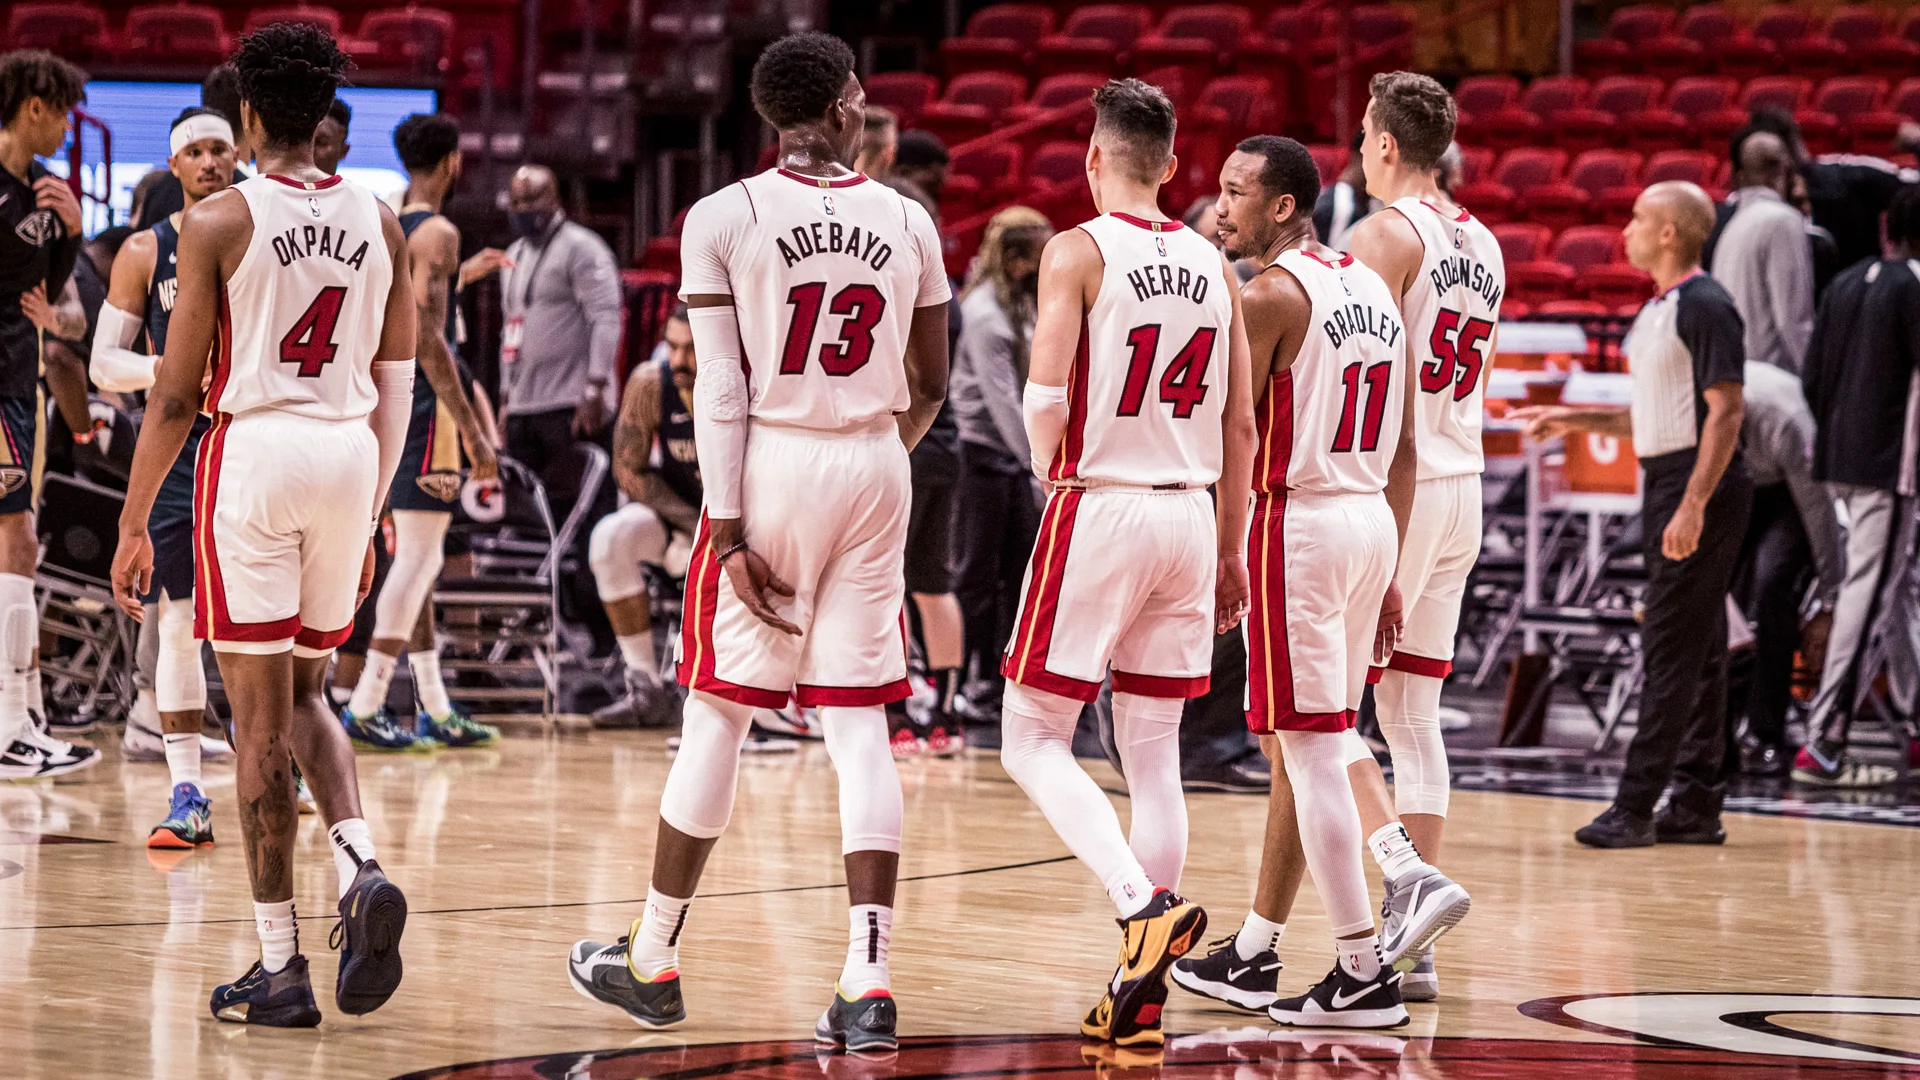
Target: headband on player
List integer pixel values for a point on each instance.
(197, 127)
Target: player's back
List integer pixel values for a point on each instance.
(825, 276)
(1330, 422)
(1141, 408)
(301, 317)
(1452, 308)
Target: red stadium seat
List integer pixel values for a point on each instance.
(1209, 34)
(1585, 246)
(1819, 130)
(73, 31)
(1022, 23)
(1522, 241)
(1058, 162)
(1746, 57)
(1597, 170)
(963, 55)
(1626, 28)
(1248, 104)
(325, 18)
(1816, 58)
(1574, 130)
(1849, 96)
(905, 92)
(1572, 309)
(1504, 130)
(1097, 38)
(1330, 159)
(995, 164)
(1693, 166)
(1780, 24)
(1910, 26)
(1617, 285)
(410, 40)
(1056, 91)
(1476, 164)
(1658, 129)
(1671, 54)
(1549, 94)
(1906, 99)
(1787, 92)
(997, 90)
(1538, 282)
(1856, 24)
(1614, 205)
(176, 34)
(1873, 132)
(1709, 24)
(1624, 94)
(1529, 167)
(1193, 58)
(955, 124)
(1693, 96)
(1571, 201)
(1718, 126)
(1491, 202)
(1302, 24)
(1480, 95)
(1888, 57)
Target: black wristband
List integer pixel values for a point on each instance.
(731, 552)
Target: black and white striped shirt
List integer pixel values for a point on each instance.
(1686, 339)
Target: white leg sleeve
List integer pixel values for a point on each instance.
(19, 627)
(1409, 708)
(1329, 827)
(179, 679)
(871, 812)
(1037, 751)
(1148, 730)
(1356, 747)
(698, 796)
(419, 539)
(624, 539)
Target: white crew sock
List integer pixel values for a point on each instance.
(1257, 935)
(1360, 956)
(13, 706)
(1130, 890)
(1393, 849)
(36, 699)
(371, 691)
(655, 943)
(350, 838)
(183, 758)
(427, 683)
(869, 927)
(279, 935)
(637, 650)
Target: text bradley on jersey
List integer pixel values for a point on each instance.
(309, 241)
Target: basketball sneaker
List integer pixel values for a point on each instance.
(640, 706)
(27, 760)
(1221, 975)
(281, 998)
(905, 743)
(302, 794)
(189, 822)
(1143, 1031)
(1421, 983)
(380, 732)
(1341, 1000)
(61, 754)
(946, 738)
(1843, 771)
(1164, 931)
(456, 729)
(604, 973)
(864, 1024)
(373, 915)
(142, 744)
(1417, 909)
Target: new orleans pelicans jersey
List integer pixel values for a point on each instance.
(1451, 310)
(825, 276)
(300, 318)
(1147, 388)
(1329, 423)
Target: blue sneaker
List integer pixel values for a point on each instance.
(189, 821)
(380, 732)
(282, 998)
(455, 729)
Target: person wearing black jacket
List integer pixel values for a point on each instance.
(39, 242)
(1861, 383)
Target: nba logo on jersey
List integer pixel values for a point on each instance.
(826, 201)
(313, 204)
(1459, 239)
(1161, 243)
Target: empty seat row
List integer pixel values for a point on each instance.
(975, 103)
(1784, 37)
(410, 38)
(1539, 184)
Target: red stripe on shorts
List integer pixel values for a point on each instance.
(211, 620)
(1270, 705)
(1026, 660)
(1420, 665)
(818, 697)
(222, 355)
(696, 631)
(1160, 686)
(308, 638)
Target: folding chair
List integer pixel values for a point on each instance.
(87, 643)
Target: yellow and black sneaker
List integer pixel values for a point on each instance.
(1164, 931)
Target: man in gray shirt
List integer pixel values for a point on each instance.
(1763, 259)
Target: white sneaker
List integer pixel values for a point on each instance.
(25, 759)
(303, 796)
(1417, 910)
(142, 740)
(60, 753)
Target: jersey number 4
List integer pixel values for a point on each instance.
(861, 304)
(310, 342)
(1182, 385)
(1458, 354)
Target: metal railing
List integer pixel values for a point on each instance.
(76, 164)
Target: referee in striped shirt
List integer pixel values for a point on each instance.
(1686, 350)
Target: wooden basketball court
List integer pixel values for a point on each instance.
(1792, 951)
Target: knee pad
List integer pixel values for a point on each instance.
(419, 550)
(871, 809)
(619, 544)
(179, 680)
(698, 796)
(19, 621)
(1410, 720)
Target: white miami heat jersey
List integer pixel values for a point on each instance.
(824, 276)
(1451, 310)
(300, 318)
(1329, 423)
(1148, 386)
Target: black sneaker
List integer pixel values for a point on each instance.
(1341, 1000)
(26, 759)
(1617, 828)
(282, 998)
(640, 707)
(373, 915)
(602, 973)
(1764, 759)
(1248, 774)
(1680, 827)
(867, 1024)
(1221, 975)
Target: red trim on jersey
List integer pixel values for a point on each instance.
(1420, 665)
(1155, 226)
(1345, 261)
(1160, 686)
(1274, 422)
(1373, 675)
(820, 181)
(222, 355)
(319, 639)
(821, 697)
(1464, 216)
(303, 185)
(1270, 704)
(1026, 658)
(696, 632)
(751, 208)
(211, 620)
(1073, 441)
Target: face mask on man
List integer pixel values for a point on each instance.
(527, 224)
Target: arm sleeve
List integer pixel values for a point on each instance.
(393, 380)
(707, 240)
(598, 287)
(1045, 408)
(934, 288)
(1709, 326)
(720, 406)
(114, 366)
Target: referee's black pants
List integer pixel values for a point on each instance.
(1683, 704)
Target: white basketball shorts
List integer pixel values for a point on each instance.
(1443, 543)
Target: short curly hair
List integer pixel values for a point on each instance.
(1419, 114)
(424, 140)
(34, 73)
(1287, 170)
(1136, 121)
(288, 75)
(798, 78)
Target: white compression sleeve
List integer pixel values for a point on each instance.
(1329, 826)
(720, 401)
(393, 379)
(419, 542)
(871, 809)
(115, 366)
(1045, 411)
(179, 680)
(1148, 731)
(1409, 708)
(697, 798)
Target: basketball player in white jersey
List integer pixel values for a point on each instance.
(817, 300)
(295, 313)
(1137, 401)
(1444, 269)
(1300, 671)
